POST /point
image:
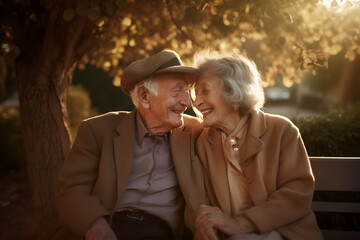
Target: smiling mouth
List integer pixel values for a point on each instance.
(177, 112)
(206, 112)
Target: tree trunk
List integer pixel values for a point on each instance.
(46, 137)
(43, 81)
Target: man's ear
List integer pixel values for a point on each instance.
(143, 95)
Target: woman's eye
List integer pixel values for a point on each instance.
(205, 91)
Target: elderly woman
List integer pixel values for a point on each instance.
(259, 179)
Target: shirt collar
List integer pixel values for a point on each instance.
(142, 130)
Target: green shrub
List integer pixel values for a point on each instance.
(79, 107)
(12, 153)
(336, 133)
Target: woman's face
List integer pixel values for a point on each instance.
(216, 111)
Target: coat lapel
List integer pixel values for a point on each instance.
(249, 158)
(180, 152)
(253, 144)
(217, 170)
(124, 145)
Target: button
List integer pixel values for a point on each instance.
(236, 149)
(233, 141)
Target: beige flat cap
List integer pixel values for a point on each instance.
(162, 62)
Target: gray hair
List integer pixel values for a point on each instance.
(149, 84)
(239, 77)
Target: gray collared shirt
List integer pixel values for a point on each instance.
(153, 185)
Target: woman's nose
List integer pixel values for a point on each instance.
(198, 101)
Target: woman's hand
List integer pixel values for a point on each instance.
(211, 219)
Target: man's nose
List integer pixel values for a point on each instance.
(198, 101)
(185, 100)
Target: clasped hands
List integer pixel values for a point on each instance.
(210, 220)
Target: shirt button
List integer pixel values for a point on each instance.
(236, 149)
(233, 141)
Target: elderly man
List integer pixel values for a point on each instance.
(128, 172)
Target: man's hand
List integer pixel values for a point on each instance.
(100, 230)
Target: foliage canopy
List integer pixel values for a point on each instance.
(282, 36)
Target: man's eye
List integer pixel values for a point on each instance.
(176, 92)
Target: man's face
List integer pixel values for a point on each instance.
(166, 108)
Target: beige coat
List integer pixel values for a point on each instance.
(95, 174)
(277, 170)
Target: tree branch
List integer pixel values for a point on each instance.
(178, 25)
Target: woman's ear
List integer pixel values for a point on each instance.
(143, 95)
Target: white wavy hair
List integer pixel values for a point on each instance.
(149, 84)
(238, 75)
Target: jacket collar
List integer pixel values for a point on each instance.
(127, 123)
(253, 143)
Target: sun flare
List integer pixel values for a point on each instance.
(339, 5)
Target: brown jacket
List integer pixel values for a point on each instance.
(278, 173)
(95, 174)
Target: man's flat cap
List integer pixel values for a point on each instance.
(162, 62)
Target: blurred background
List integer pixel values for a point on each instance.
(308, 53)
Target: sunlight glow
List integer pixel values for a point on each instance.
(339, 6)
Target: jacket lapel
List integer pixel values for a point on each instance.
(124, 145)
(249, 158)
(253, 144)
(180, 152)
(217, 170)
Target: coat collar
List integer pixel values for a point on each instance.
(253, 144)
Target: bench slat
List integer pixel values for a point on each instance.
(339, 207)
(339, 235)
(336, 174)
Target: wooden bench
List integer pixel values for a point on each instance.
(336, 201)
